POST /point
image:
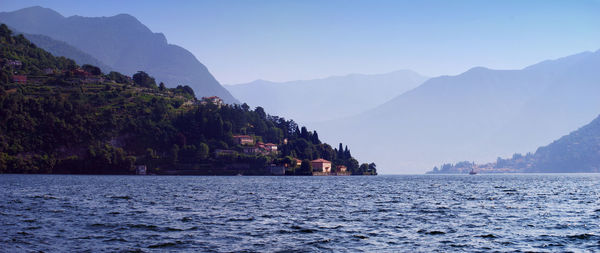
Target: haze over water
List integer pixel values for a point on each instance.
(420, 213)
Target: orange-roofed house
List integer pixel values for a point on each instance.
(341, 168)
(321, 165)
(243, 139)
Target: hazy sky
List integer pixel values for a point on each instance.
(240, 41)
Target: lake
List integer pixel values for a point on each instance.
(420, 213)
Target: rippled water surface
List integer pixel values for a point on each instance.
(383, 213)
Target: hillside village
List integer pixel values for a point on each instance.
(112, 123)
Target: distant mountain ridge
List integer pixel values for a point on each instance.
(477, 116)
(123, 43)
(327, 98)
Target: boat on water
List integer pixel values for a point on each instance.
(472, 172)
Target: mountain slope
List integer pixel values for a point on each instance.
(60, 48)
(327, 98)
(123, 43)
(478, 115)
(577, 152)
(71, 121)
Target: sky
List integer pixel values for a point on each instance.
(241, 41)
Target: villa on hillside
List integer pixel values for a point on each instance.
(213, 100)
(250, 150)
(12, 63)
(48, 71)
(243, 139)
(321, 165)
(269, 147)
(260, 148)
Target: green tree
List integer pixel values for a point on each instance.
(92, 69)
(363, 169)
(202, 151)
(118, 77)
(142, 79)
(305, 167)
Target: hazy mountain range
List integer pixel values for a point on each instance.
(123, 44)
(400, 120)
(328, 98)
(478, 115)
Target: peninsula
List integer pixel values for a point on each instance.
(58, 117)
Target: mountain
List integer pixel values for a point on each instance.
(578, 152)
(478, 115)
(122, 43)
(327, 98)
(60, 48)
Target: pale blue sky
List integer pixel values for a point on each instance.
(240, 41)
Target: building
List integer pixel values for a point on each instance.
(141, 170)
(321, 165)
(298, 162)
(49, 71)
(251, 150)
(213, 100)
(19, 79)
(270, 147)
(13, 63)
(243, 139)
(341, 169)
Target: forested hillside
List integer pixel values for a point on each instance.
(124, 44)
(578, 151)
(58, 117)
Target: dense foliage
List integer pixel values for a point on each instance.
(105, 124)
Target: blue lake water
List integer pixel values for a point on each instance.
(423, 213)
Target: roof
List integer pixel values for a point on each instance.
(320, 160)
(341, 166)
(270, 144)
